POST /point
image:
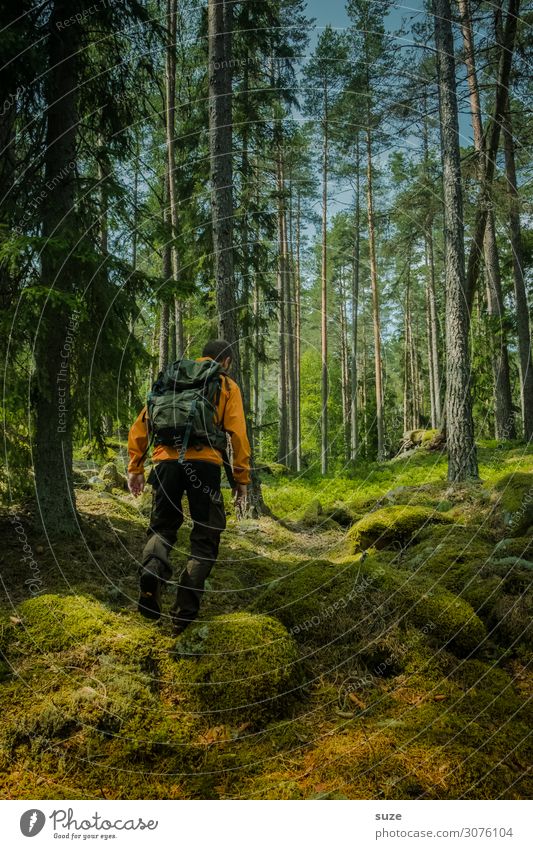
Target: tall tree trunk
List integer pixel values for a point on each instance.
(378, 373)
(60, 231)
(345, 368)
(431, 300)
(297, 339)
(324, 296)
(257, 348)
(520, 292)
(163, 335)
(283, 406)
(154, 341)
(462, 459)
(176, 342)
(503, 405)
(291, 352)
(364, 386)
(354, 429)
(507, 43)
(220, 154)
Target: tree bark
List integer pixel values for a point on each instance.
(520, 291)
(462, 459)
(283, 405)
(354, 429)
(177, 342)
(53, 413)
(345, 369)
(324, 296)
(491, 148)
(297, 340)
(375, 295)
(220, 154)
(503, 405)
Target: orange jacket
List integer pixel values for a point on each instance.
(230, 415)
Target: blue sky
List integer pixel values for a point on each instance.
(334, 12)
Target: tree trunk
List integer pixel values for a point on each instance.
(324, 295)
(432, 334)
(503, 405)
(60, 231)
(291, 338)
(354, 430)
(283, 406)
(462, 459)
(345, 369)
(176, 343)
(520, 291)
(491, 148)
(163, 336)
(220, 154)
(297, 339)
(375, 295)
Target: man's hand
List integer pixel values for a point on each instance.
(240, 493)
(136, 483)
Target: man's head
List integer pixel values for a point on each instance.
(219, 350)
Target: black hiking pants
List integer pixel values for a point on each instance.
(201, 483)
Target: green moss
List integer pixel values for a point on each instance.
(422, 437)
(323, 604)
(240, 667)
(390, 525)
(452, 554)
(448, 620)
(521, 547)
(54, 622)
(515, 498)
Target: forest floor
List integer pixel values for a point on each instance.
(372, 639)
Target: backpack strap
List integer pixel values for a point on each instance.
(150, 435)
(187, 434)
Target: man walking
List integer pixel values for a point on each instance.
(191, 408)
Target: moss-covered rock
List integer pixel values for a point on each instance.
(110, 474)
(393, 525)
(420, 601)
(323, 604)
(514, 494)
(511, 620)
(455, 555)
(240, 667)
(88, 683)
(54, 622)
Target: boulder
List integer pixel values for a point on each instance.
(393, 525)
(514, 496)
(242, 667)
(112, 477)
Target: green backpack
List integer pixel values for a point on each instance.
(182, 406)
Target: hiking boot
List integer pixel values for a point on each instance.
(178, 625)
(149, 604)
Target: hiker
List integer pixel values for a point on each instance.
(191, 408)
